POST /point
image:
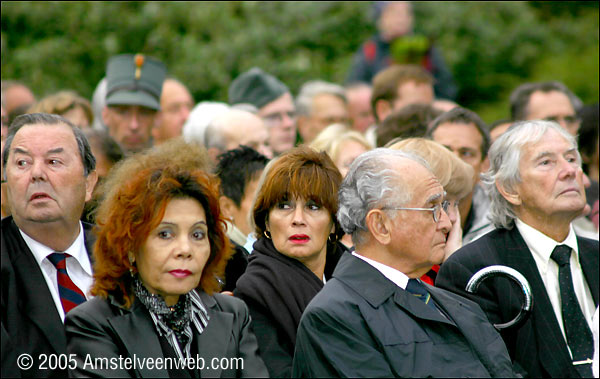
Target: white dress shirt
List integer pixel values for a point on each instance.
(541, 247)
(398, 278)
(78, 265)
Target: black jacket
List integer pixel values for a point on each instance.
(104, 328)
(277, 289)
(30, 321)
(537, 346)
(363, 325)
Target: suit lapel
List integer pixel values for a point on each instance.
(138, 334)
(220, 324)
(588, 258)
(552, 347)
(418, 308)
(35, 300)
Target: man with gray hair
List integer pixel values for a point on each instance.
(536, 187)
(318, 105)
(375, 318)
(50, 173)
(233, 128)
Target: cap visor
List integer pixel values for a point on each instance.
(133, 98)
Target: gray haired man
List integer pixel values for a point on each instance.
(375, 318)
(536, 186)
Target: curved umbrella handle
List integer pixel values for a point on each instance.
(513, 274)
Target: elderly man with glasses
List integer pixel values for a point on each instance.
(375, 318)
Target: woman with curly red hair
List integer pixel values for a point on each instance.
(160, 251)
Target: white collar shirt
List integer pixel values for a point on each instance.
(541, 247)
(398, 278)
(78, 265)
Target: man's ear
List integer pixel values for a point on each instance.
(227, 206)
(485, 164)
(90, 184)
(383, 108)
(301, 124)
(512, 196)
(378, 224)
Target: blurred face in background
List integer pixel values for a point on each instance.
(553, 106)
(359, 107)
(130, 126)
(176, 104)
(396, 20)
(326, 109)
(280, 118)
(348, 151)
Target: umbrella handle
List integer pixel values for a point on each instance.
(513, 274)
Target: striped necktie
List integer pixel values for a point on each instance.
(417, 289)
(70, 295)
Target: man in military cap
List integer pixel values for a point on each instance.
(274, 102)
(134, 85)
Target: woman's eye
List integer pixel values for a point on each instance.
(313, 206)
(165, 234)
(284, 205)
(199, 235)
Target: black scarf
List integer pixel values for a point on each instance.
(281, 285)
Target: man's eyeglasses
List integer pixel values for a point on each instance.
(436, 210)
(567, 119)
(273, 118)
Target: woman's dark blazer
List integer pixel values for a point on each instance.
(103, 328)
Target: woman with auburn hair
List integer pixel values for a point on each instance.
(160, 249)
(454, 175)
(296, 251)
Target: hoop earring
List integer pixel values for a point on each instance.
(267, 234)
(332, 238)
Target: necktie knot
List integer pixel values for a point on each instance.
(59, 260)
(561, 255)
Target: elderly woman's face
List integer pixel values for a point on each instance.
(299, 229)
(171, 260)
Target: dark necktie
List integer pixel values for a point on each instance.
(417, 289)
(579, 335)
(70, 295)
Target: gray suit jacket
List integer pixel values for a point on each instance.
(362, 324)
(537, 346)
(104, 328)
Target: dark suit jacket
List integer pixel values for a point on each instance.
(538, 346)
(104, 328)
(362, 324)
(29, 317)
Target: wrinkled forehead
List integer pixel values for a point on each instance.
(45, 136)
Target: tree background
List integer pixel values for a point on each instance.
(491, 47)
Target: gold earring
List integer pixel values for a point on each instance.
(267, 234)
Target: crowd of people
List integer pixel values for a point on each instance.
(328, 233)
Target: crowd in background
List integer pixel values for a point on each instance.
(270, 196)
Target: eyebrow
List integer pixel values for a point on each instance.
(432, 198)
(18, 150)
(550, 153)
(174, 224)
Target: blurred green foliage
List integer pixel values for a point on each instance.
(491, 47)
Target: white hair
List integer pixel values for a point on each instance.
(505, 155)
(199, 118)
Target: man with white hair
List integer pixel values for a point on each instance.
(234, 128)
(318, 105)
(375, 318)
(536, 187)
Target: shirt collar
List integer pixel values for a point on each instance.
(77, 250)
(541, 246)
(398, 278)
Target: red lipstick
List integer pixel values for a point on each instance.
(180, 273)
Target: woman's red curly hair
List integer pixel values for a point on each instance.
(137, 208)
